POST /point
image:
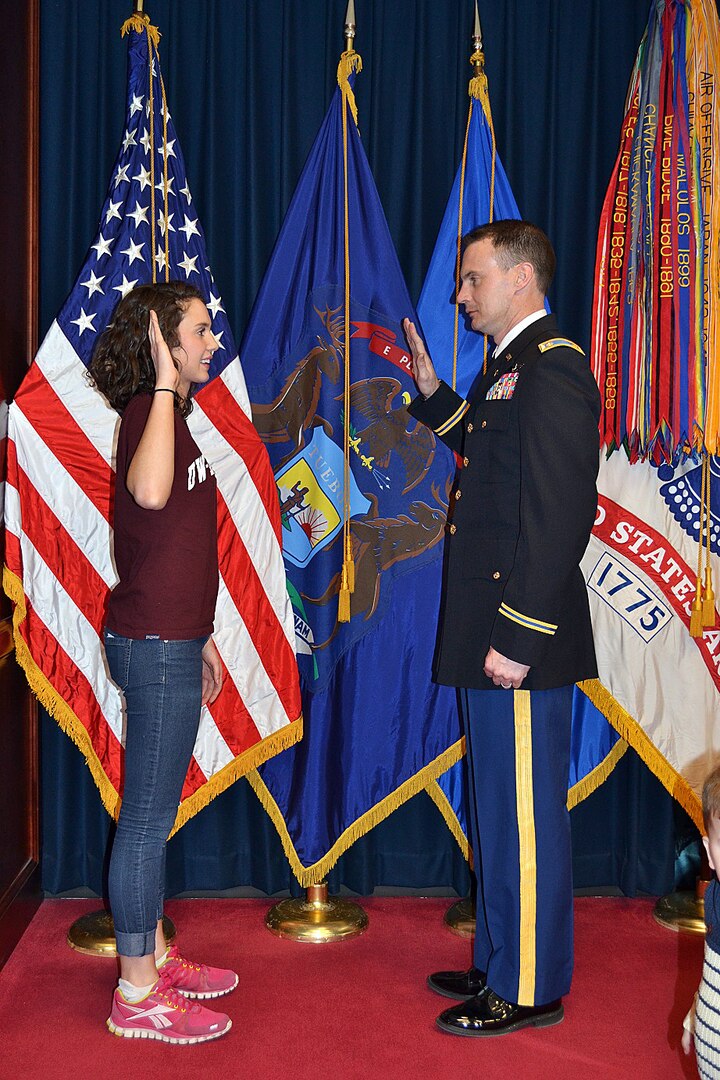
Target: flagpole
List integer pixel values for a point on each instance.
(460, 916)
(318, 918)
(350, 27)
(478, 62)
(94, 934)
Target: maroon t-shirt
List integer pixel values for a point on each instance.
(166, 559)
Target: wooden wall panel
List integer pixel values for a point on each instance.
(19, 137)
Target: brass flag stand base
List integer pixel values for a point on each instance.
(316, 919)
(94, 934)
(460, 918)
(686, 910)
(683, 910)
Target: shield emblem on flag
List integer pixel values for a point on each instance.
(311, 498)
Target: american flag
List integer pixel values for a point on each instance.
(61, 443)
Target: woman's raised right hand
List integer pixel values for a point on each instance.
(167, 374)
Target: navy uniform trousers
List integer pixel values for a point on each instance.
(518, 747)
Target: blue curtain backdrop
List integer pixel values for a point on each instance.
(248, 85)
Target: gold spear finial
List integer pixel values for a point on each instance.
(477, 59)
(138, 9)
(477, 32)
(350, 26)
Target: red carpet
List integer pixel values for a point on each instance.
(354, 1010)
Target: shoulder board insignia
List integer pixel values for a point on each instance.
(558, 342)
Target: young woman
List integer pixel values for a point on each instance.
(157, 640)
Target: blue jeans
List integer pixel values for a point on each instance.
(162, 685)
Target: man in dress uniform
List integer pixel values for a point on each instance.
(515, 632)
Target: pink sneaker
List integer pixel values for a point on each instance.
(166, 1015)
(197, 980)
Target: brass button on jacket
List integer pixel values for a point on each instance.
(469, 427)
(458, 493)
(496, 575)
(484, 423)
(466, 462)
(453, 529)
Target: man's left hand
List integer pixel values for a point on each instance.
(504, 672)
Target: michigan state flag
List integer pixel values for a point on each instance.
(329, 379)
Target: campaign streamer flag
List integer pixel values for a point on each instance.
(58, 507)
(656, 315)
(344, 449)
(481, 193)
(656, 335)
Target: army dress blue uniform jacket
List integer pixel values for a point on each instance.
(521, 513)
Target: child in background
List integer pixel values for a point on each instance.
(702, 1023)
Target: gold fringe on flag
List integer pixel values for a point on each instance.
(312, 874)
(634, 736)
(597, 776)
(52, 701)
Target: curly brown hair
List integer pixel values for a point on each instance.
(122, 364)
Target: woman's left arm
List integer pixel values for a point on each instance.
(212, 675)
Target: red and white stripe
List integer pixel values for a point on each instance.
(60, 479)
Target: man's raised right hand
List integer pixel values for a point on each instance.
(423, 370)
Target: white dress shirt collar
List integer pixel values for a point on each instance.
(518, 329)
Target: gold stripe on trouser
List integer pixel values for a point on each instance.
(526, 838)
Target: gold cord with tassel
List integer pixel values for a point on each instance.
(708, 604)
(478, 91)
(166, 209)
(696, 611)
(141, 24)
(350, 61)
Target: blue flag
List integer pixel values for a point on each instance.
(486, 196)
(375, 727)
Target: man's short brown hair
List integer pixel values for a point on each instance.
(515, 242)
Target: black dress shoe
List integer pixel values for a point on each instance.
(457, 984)
(487, 1014)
